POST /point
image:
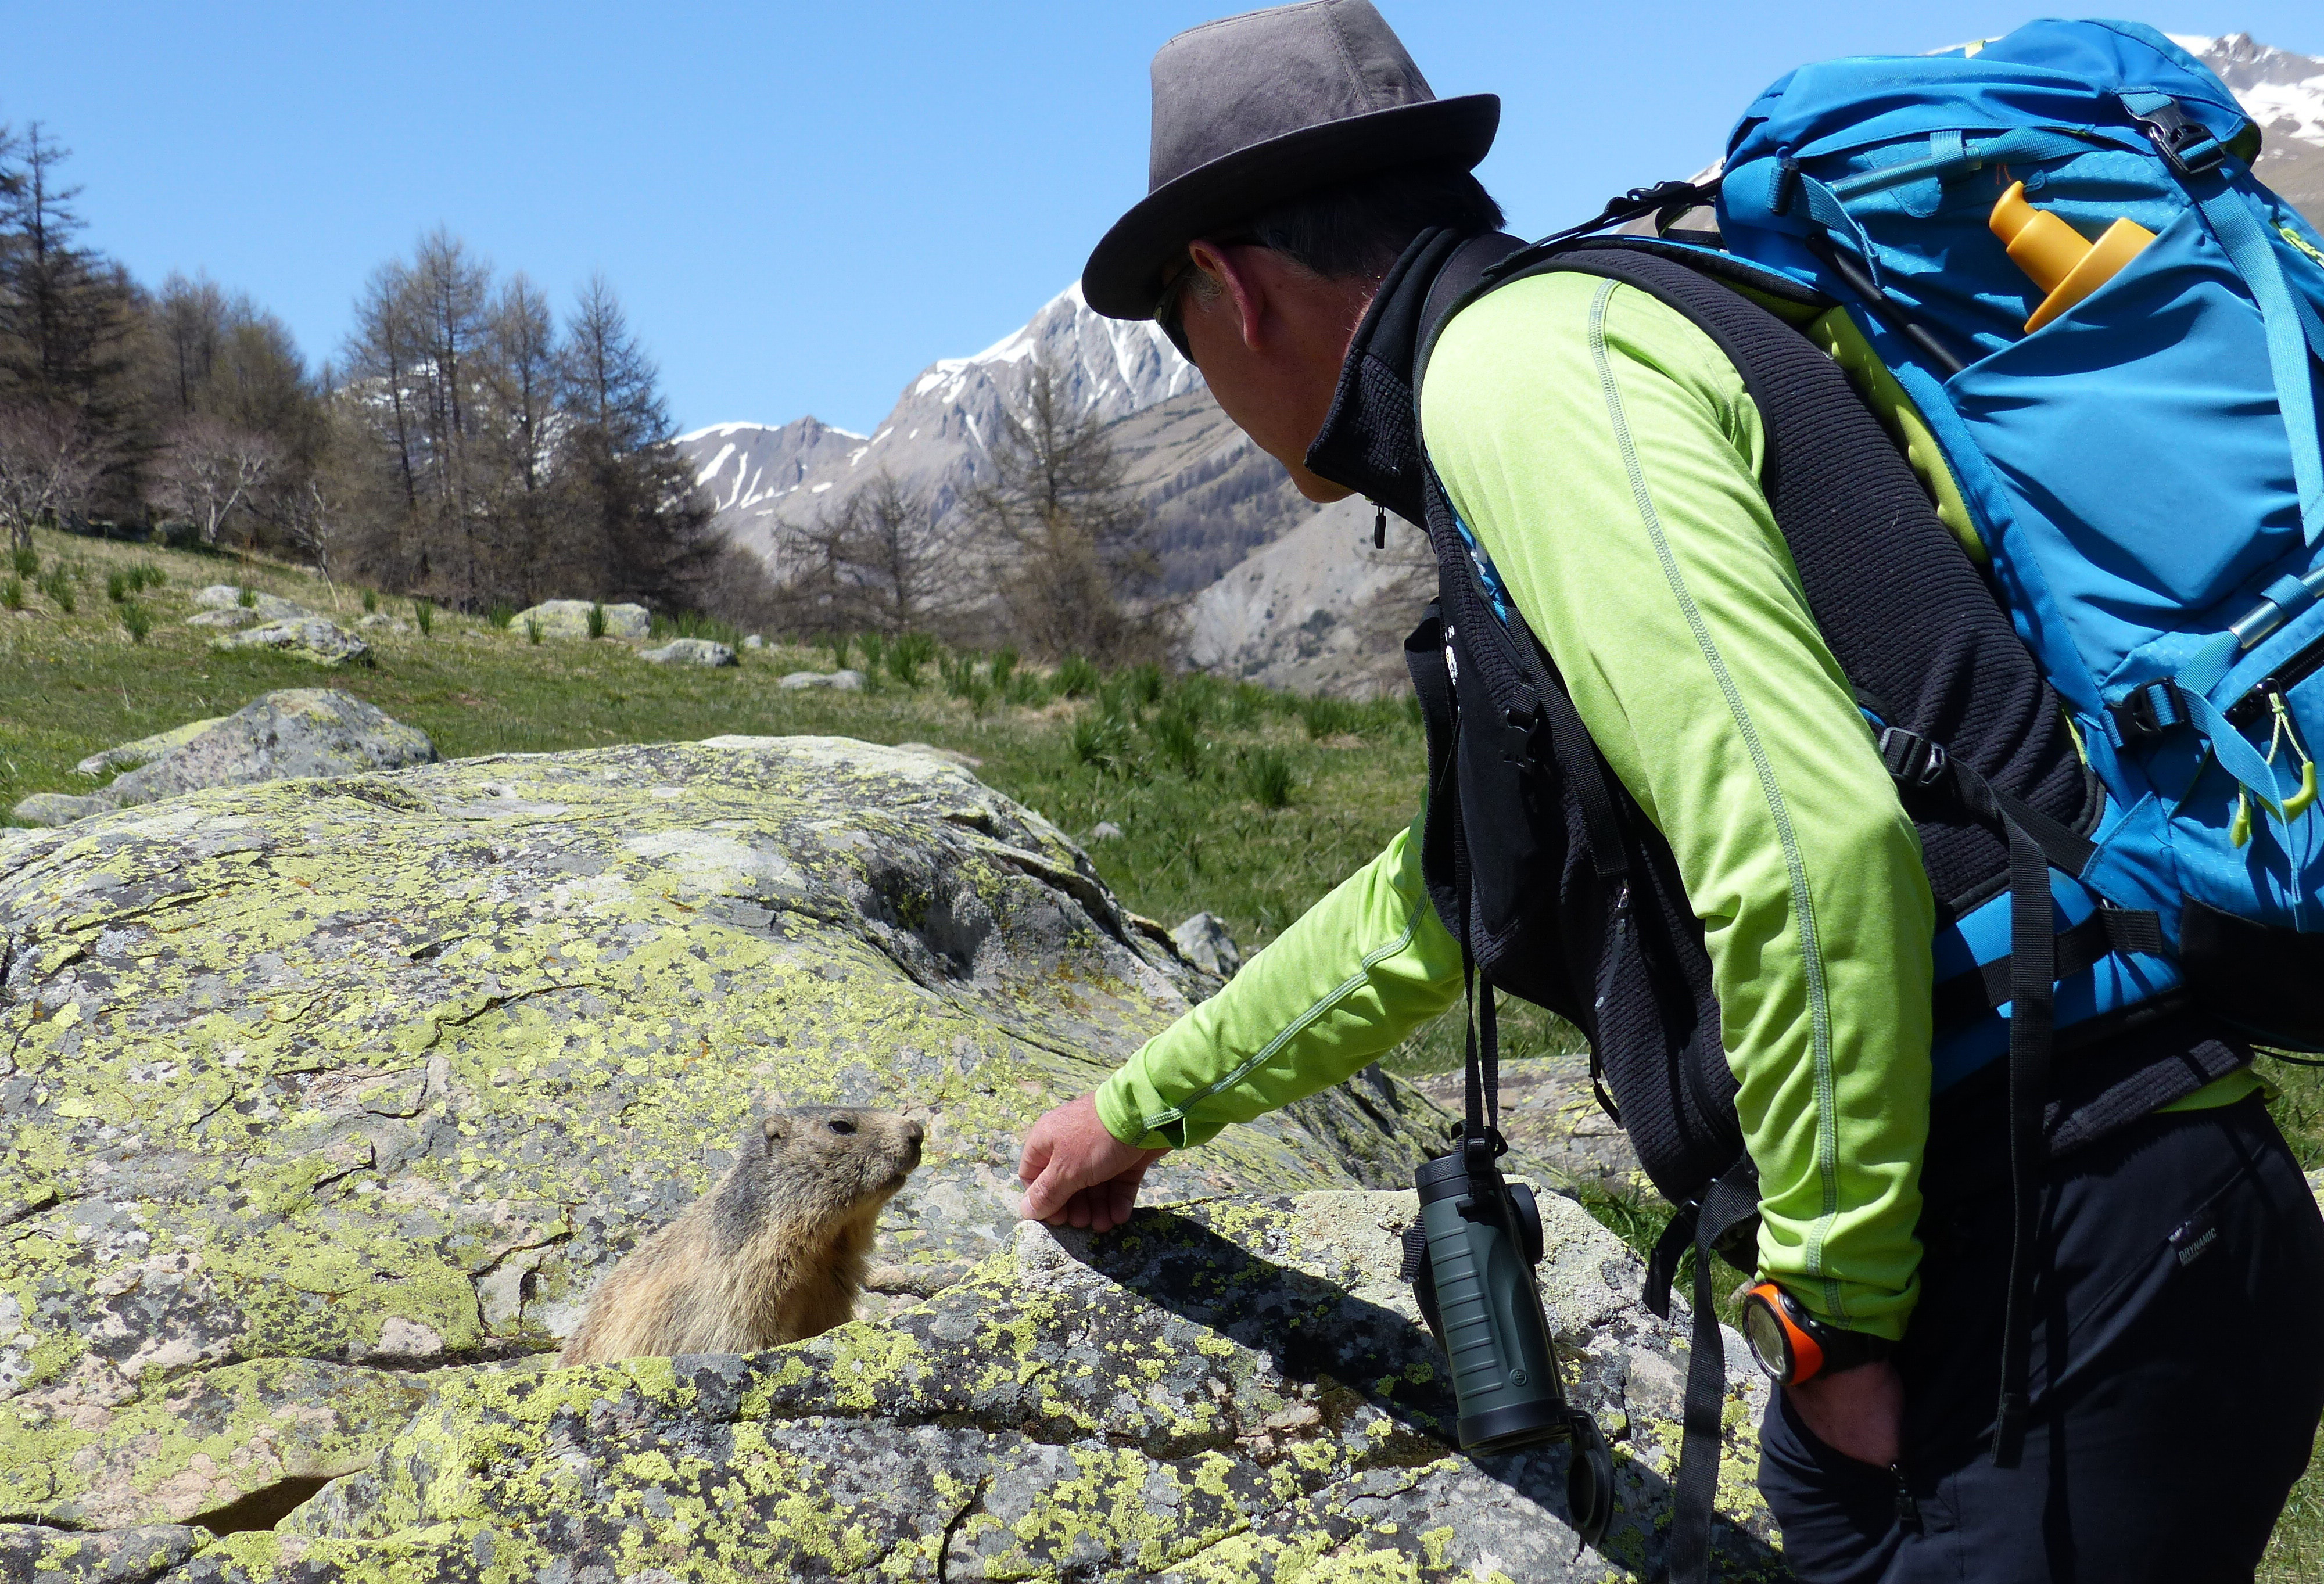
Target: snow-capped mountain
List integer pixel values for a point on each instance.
(2284, 94)
(742, 467)
(936, 438)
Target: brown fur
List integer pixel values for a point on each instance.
(775, 1252)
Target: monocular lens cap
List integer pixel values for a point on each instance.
(1589, 1481)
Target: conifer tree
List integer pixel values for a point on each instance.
(1071, 566)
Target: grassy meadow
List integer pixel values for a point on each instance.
(1227, 796)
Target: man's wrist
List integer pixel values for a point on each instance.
(1793, 1346)
(1117, 1110)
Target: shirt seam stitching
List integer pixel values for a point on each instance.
(1796, 867)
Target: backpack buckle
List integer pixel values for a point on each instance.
(2149, 711)
(1517, 733)
(2186, 145)
(1913, 760)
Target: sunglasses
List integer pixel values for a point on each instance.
(1168, 310)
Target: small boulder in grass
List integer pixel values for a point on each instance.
(691, 652)
(837, 681)
(754, 641)
(128, 756)
(295, 731)
(222, 597)
(1204, 941)
(57, 808)
(570, 619)
(308, 638)
(1106, 830)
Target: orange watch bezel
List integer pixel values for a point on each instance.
(1807, 1353)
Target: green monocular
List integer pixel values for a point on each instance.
(1471, 1260)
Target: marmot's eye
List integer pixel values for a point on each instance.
(842, 1125)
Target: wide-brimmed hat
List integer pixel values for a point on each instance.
(1257, 109)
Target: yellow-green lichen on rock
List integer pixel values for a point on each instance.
(893, 1449)
(377, 1074)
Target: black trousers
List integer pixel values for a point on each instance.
(2178, 1376)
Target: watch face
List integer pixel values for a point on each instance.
(1771, 1344)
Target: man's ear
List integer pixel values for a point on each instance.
(1244, 295)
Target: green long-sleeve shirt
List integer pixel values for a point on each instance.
(1607, 457)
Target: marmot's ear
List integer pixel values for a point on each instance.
(772, 1129)
(755, 1135)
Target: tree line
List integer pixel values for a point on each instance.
(469, 443)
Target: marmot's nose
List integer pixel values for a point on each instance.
(914, 1131)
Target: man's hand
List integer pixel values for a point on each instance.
(1857, 1413)
(1076, 1173)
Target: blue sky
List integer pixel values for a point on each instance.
(803, 205)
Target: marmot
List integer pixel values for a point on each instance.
(775, 1252)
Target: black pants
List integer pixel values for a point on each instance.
(2177, 1374)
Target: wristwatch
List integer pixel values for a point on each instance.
(1794, 1346)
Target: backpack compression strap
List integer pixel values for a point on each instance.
(1731, 1202)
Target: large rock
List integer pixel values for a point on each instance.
(570, 619)
(305, 637)
(690, 652)
(292, 732)
(1233, 1390)
(380, 1073)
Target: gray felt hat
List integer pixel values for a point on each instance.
(1257, 109)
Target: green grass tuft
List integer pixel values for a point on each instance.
(1077, 678)
(1267, 777)
(1177, 739)
(1103, 742)
(597, 619)
(424, 614)
(908, 654)
(370, 601)
(136, 619)
(11, 594)
(26, 561)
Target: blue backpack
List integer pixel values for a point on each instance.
(2132, 454)
(2141, 475)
